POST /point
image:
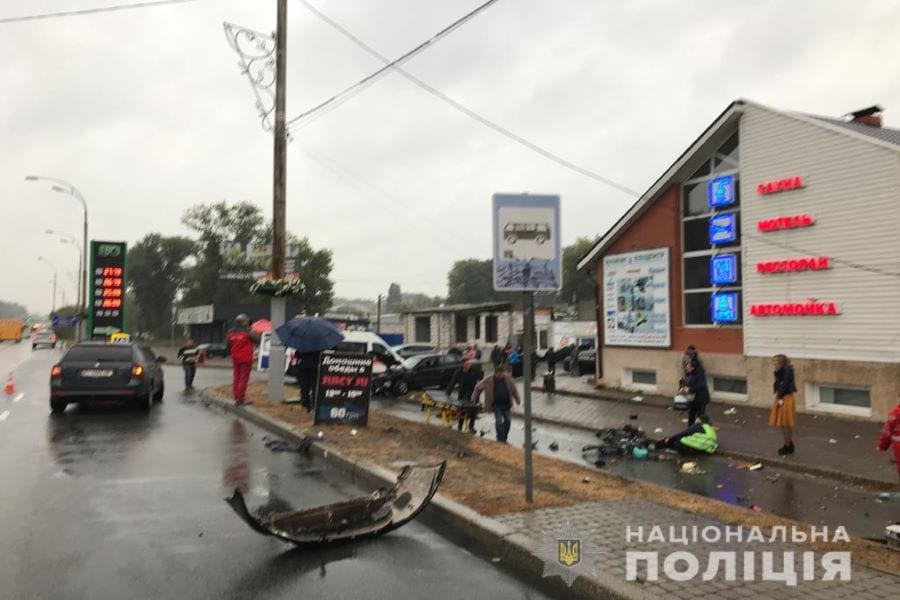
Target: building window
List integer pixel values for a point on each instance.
(847, 399)
(728, 387)
(490, 329)
(477, 327)
(543, 339)
(462, 329)
(711, 240)
(423, 329)
(640, 378)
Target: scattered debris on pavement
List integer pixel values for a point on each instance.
(690, 468)
(730, 411)
(658, 430)
(637, 399)
(554, 446)
(832, 441)
(750, 466)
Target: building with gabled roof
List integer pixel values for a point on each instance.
(773, 233)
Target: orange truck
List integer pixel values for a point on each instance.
(11, 330)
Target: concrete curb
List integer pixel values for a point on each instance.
(874, 484)
(482, 534)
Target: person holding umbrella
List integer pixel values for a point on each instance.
(309, 336)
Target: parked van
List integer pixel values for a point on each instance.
(11, 330)
(368, 342)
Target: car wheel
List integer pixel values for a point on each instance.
(33, 346)
(401, 387)
(158, 397)
(511, 240)
(57, 407)
(540, 239)
(146, 403)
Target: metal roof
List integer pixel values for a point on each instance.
(891, 136)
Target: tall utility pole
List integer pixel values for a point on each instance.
(277, 355)
(378, 317)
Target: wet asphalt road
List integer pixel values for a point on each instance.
(114, 503)
(811, 499)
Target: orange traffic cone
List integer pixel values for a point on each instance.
(10, 386)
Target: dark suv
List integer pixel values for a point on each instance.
(101, 371)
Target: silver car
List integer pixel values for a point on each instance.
(43, 337)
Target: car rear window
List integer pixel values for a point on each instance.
(111, 353)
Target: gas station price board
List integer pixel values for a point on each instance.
(106, 303)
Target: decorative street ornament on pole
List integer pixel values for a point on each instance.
(527, 258)
(256, 52)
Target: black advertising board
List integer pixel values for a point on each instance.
(345, 384)
(106, 302)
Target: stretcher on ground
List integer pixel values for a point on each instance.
(450, 409)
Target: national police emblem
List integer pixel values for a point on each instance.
(568, 553)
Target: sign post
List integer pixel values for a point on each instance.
(527, 258)
(106, 301)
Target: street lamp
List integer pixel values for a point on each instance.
(65, 187)
(68, 238)
(51, 265)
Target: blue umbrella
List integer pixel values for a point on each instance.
(309, 334)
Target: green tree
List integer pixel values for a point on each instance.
(314, 267)
(577, 285)
(394, 298)
(155, 274)
(471, 281)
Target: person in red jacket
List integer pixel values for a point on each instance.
(890, 436)
(240, 343)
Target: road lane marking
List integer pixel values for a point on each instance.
(3, 415)
(19, 397)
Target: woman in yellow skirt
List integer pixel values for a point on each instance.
(782, 415)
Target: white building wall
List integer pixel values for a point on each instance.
(853, 193)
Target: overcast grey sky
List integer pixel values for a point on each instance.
(146, 113)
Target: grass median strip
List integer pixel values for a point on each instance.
(488, 477)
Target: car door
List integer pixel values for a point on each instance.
(425, 373)
(148, 359)
(449, 363)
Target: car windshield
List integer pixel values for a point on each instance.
(111, 353)
(412, 361)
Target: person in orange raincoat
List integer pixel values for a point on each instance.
(890, 436)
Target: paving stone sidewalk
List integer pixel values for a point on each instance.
(607, 523)
(745, 433)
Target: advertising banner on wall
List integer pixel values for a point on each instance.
(636, 299)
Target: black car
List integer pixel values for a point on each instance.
(215, 349)
(424, 371)
(101, 371)
(587, 360)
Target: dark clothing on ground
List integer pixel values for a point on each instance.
(784, 382)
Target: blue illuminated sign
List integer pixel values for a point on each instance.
(725, 307)
(723, 269)
(722, 228)
(721, 191)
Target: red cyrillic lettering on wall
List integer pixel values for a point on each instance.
(779, 185)
(793, 265)
(808, 308)
(788, 222)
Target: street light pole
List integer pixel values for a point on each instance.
(68, 238)
(279, 171)
(53, 268)
(67, 188)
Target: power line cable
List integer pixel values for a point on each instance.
(92, 11)
(360, 85)
(389, 64)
